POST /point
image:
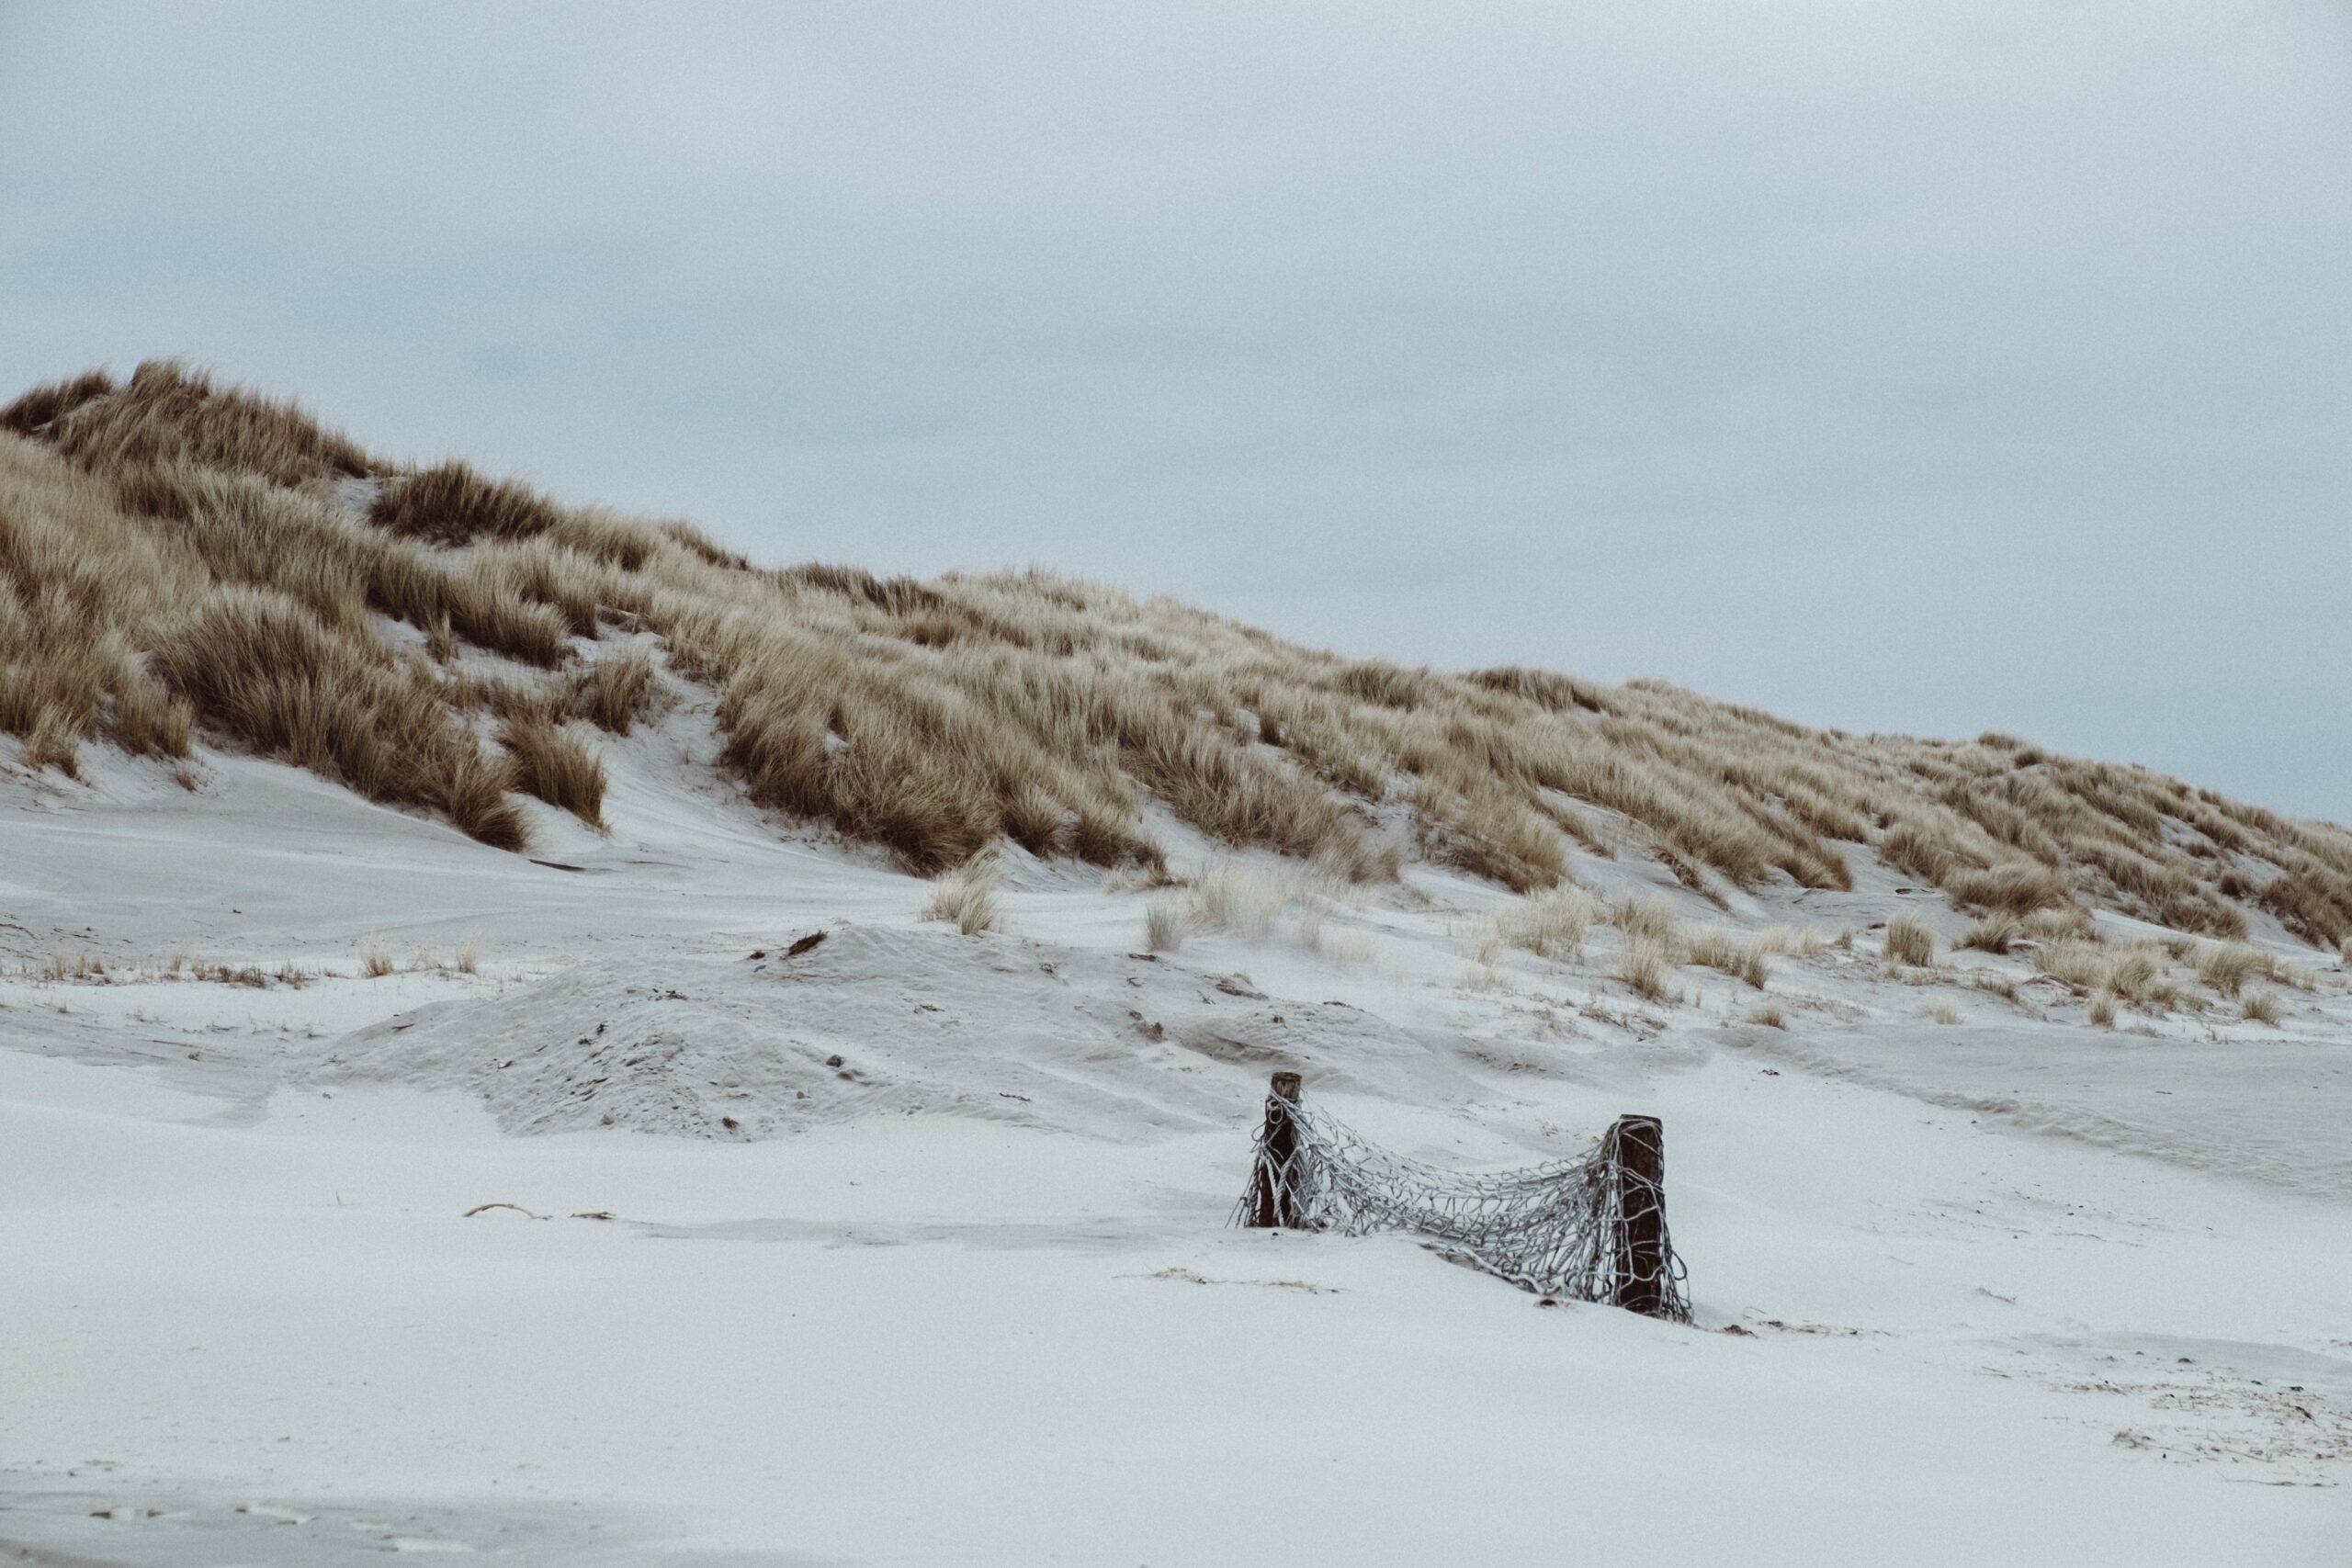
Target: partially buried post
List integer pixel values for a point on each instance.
(1275, 1202)
(1636, 1146)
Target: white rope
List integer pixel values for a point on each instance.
(1558, 1229)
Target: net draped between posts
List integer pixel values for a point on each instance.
(1590, 1229)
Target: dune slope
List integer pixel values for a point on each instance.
(182, 556)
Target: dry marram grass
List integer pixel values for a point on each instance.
(1908, 942)
(2227, 968)
(555, 767)
(1719, 948)
(1994, 933)
(966, 897)
(1551, 924)
(2133, 972)
(168, 513)
(1259, 904)
(376, 958)
(1166, 922)
(1643, 961)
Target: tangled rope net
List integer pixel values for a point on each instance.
(1589, 1229)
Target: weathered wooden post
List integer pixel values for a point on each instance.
(1638, 1146)
(1275, 1201)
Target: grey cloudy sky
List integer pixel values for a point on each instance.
(1932, 367)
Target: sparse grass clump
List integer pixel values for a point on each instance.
(2056, 925)
(2083, 965)
(1769, 1016)
(1242, 900)
(1260, 905)
(1908, 942)
(1791, 942)
(614, 693)
(2102, 1010)
(2227, 967)
(1551, 924)
(2132, 972)
(84, 966)
(1643, 961)
(966, 898)
(1994, 933)
(2260, 1007)
(2016, 888)
(1944, 1012)
(376, 958)
(1718, 948)
(1166, 922)
(1651, 917)
(556, 768)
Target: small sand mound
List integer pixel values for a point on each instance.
(878, 1021)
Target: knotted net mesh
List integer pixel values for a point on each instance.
(1589, 1229)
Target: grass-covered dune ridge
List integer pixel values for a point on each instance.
(178, 557)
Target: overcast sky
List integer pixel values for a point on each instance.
(1923, 367)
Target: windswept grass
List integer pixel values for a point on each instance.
(1651, 917)
(1994, 933)
(1791, 941)
(966, 897)
(2134, 971)
(253, 662)
(613, 693)
(1259, 904)
(1908, 942)
(558, 768)
(1642, 963)
(1166, 923)
(1717, 947)
(451, 504)
(168, 412)
(937, 717)
(2084, 965)
(1551, 924)
(2227, 968)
